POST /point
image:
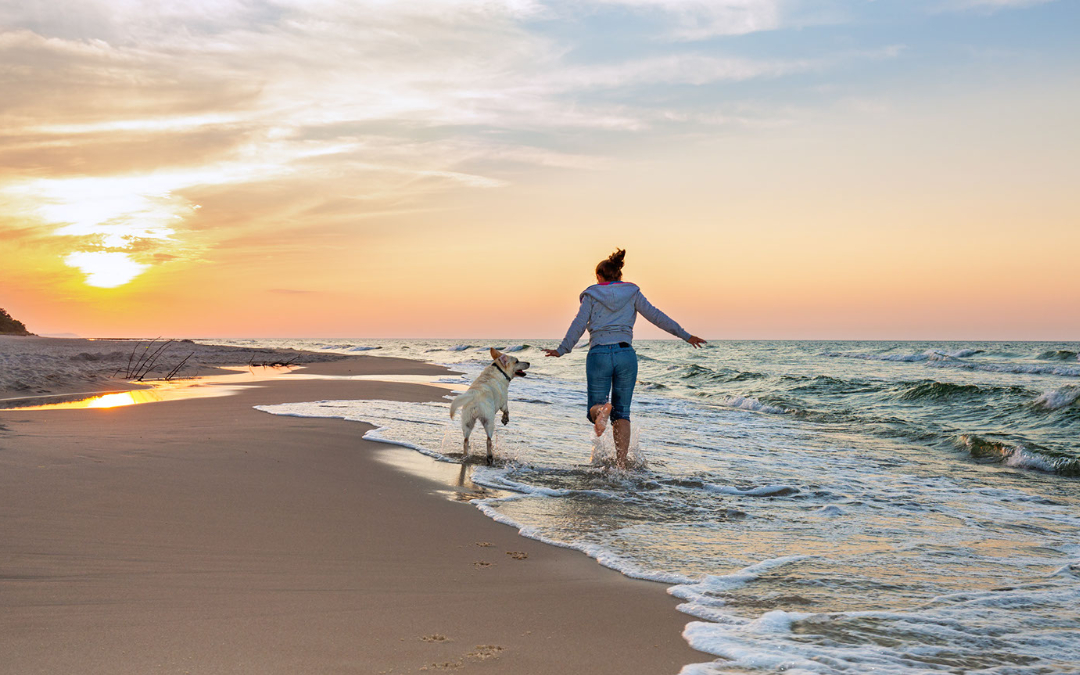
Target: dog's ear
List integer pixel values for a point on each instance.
(495, 354)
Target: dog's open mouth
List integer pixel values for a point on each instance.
(519, 373)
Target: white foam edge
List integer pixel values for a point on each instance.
(699, 592)
(598, 553)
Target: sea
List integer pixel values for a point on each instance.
(817, 507)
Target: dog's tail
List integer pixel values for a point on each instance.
(458, 401)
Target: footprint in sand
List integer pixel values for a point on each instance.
(435, 637)
(479, 653)
(481, 564)
(484, 652)
(517, 555)
(445, 665)
(484, 544)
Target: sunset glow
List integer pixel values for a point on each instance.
(775, 169)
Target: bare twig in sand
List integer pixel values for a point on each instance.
(132, 371)
(149, 362)
(174, 371)
(274, 364)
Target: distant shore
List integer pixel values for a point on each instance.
(205, 536)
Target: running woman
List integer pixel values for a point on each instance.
(608, 310)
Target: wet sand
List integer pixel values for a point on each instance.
(203, 536)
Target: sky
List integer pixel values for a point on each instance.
(775, 169)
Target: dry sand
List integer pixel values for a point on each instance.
(37, 365)
(203, 536)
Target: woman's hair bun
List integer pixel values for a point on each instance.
(610, 269)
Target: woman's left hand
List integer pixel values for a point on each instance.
(552, 352)
(696, 341)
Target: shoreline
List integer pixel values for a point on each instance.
(261, 552)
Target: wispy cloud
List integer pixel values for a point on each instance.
(121, 118)
(991, 4)
(700, 19)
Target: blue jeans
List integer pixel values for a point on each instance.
(611, 370)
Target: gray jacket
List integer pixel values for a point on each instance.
(609, 311)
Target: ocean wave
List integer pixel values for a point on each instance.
(1056, 399)
(939, 359)
(1057, 355)
(699, 372)
(459, 348)
(928, 355)
(936, 391)
(1018, 455)
(363, 349)
(751, 403)
(516, 348)
(1014, 368)
(959, 632)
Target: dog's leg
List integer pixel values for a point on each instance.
(489, 428)
(466, 428)
(506, 414)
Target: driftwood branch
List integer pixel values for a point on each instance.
(149, 362)
(134, 371)
(174, 371)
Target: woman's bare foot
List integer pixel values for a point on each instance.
(620, 431)
(600, 413)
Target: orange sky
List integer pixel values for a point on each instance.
(454, 169)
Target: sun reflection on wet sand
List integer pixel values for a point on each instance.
(203, 387)
(159, 392)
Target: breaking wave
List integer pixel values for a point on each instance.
(1018, 455)
(750, 403)
(1056, 399)
(1057, 355)
(928, 355)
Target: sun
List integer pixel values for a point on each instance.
(104, 269)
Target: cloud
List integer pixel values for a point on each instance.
(702, 19)
(121, 118)
(993, 4)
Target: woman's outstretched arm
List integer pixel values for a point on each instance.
(577, 327)
(663, 321)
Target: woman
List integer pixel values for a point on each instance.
(609, 310)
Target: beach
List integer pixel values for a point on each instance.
(825, 507)
(203, 535)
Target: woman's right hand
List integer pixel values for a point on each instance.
(552, 352)
(696, 341)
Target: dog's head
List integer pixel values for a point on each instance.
(509, 364)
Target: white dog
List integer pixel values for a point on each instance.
(487, 396)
